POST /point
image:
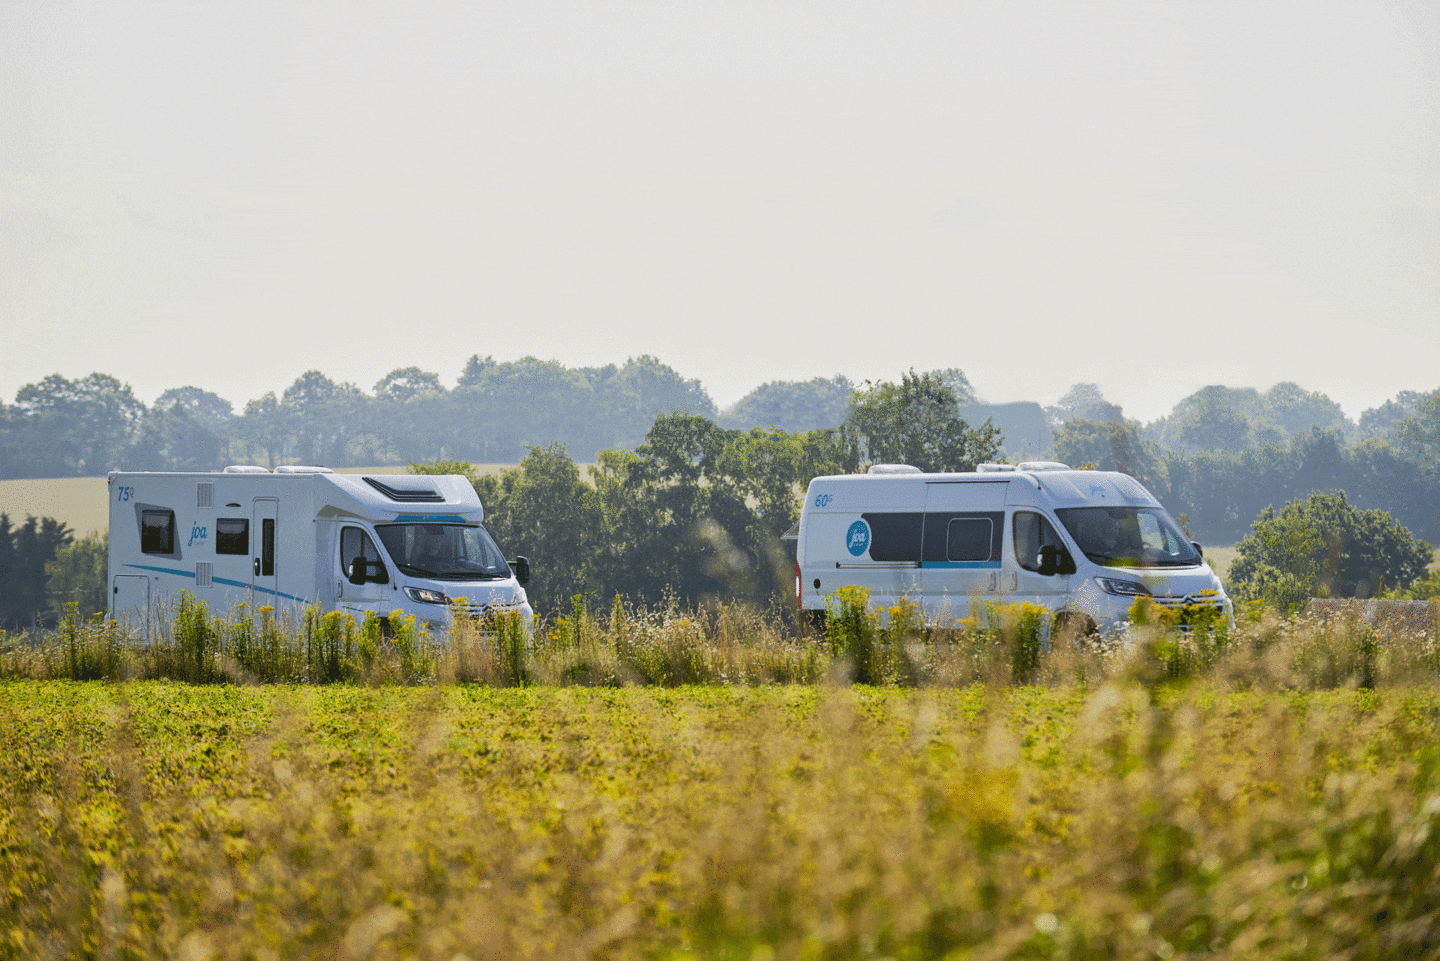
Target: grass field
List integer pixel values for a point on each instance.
(704, 784)
(164, 820)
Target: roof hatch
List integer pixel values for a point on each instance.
(407, 490)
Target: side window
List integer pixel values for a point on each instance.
(355, 545)
(968, 539)
(157, 532)
(895, 537)
(1032, 532)
(972, 537)
(232, 535)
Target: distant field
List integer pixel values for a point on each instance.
(1220, 559)
(81, 502)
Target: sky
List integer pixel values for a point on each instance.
(1150, 196)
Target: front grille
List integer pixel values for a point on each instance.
(1189, 600)
(486, 610)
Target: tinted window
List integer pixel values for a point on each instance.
(969, 536)
(895, 537)
(1129, 536)
(232, 535)
(356, 544)
(267, 547)
(968, 539)
(1032, 532)
(456, 552)
(157, 532)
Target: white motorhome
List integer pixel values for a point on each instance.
(1082, 544)
(305, 537)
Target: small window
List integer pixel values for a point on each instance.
(157, 532)
(232, 535)
(267, 547)
(968, 539)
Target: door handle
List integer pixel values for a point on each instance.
(257, 567)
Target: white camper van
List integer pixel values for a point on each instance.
(1083, 544)
(305, 537)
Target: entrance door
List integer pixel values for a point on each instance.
(263, 577)
(964, 530)
(130, 604)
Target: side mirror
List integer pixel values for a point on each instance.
(1055, 560)
(521, 566)
(358, 569)
(1049, 560)
(1198, 549)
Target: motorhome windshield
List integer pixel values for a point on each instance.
(455, 552)
(1129, 536)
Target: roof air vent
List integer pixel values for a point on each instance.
(893, 469)
(407, 490)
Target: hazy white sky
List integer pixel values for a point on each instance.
(1154, 196)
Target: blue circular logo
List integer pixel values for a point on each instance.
(857, 538)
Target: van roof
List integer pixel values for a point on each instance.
(1061, 485)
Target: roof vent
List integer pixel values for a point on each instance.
(302, 469)
(893, 469)
(1039, 465)
(407, 490)
(245, 469)
(994, 468)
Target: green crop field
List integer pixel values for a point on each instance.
(156, 819)
(671, 784)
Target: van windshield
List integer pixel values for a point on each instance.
(456, 552)
(1129, 536)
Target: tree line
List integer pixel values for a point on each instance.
(696, 506)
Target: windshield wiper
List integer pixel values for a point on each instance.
(418, 571)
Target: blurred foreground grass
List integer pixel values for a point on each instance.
(708, 784)
(1111, 820)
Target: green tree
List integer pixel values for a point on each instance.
(1324, 547)
(1084, 402)
(405, 383)
(24, 552)
(77, 427)
(79, 573)
(1417, 437)
(212, 410)
(793, 405)
(917, 422)
(1111, 445)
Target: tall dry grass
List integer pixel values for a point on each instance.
(669, 646)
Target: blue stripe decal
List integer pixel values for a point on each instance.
(220, 580)
(961, 565)
(430, 519)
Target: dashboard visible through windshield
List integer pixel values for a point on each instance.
(444, 551)
(1129, 536)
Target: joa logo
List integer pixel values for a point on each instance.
(857, 538)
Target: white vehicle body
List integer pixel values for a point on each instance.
(1082, 544)
(304, 537)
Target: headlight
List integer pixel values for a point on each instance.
(1114, 585)
(426, 596)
